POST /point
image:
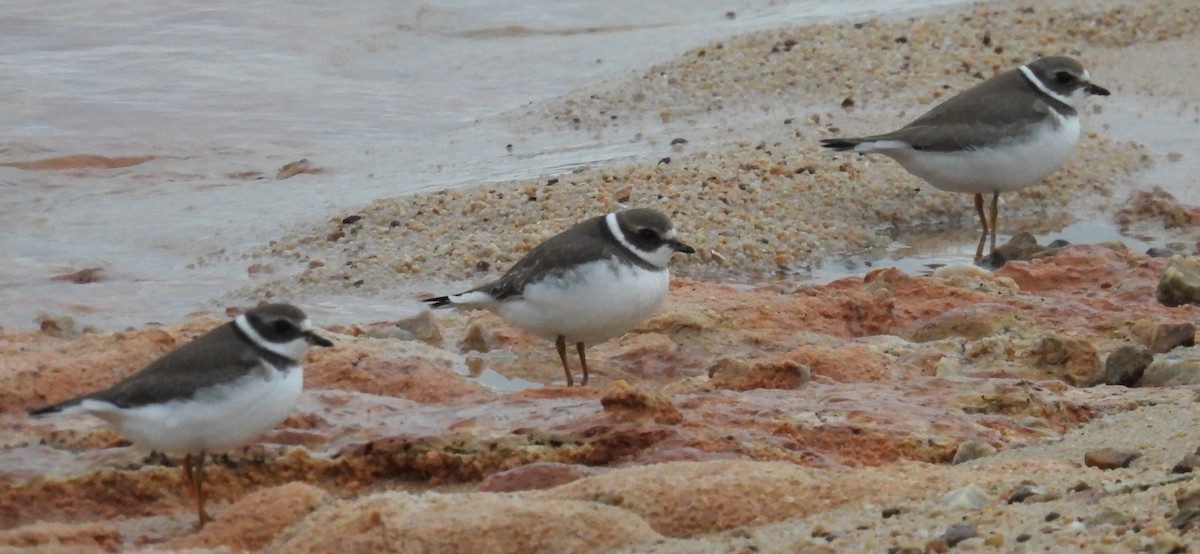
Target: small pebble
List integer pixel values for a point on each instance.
(1188, 464)
(959, 532)
(970, 497)
(1109, 458)
(1024, 491)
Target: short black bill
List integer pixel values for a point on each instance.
(1096, 89)
(681, 247)
(316, 339)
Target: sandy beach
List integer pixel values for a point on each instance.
(749, 186)
(829, 374)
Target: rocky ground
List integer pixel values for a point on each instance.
(877, 413)
(1049, 405)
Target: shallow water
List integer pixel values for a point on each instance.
(386, 99)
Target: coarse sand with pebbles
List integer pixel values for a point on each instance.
(751, 189)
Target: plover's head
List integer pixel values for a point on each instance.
(648, 234)
(281, 328)
(1062, 78)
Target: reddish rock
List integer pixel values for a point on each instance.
(971, 322)
(844, 363)
(641, 356)
(625, 402)
(62, 537)
(466, 523)
(535, 476)
(252, 522)
(698, 498)
(742, 375)
(393, 370)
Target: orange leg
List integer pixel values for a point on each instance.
(561, 343)
(583, 361)
(195, 479)
(983, 222)
(995, 228)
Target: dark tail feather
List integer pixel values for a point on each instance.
(52, 409)
(839, 144)
(55, 408)
(438, 302)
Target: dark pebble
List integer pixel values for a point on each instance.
(1109, 458)
(1126, 365)
(1023, 492)
(1188, 464)
(959, 532)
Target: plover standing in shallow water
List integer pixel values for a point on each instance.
(588, 284)
(1005, 133)
(215, 393)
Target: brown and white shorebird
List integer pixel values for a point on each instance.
(1006, 133)
(588, 284)
(214, 393)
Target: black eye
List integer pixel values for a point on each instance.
(648, 234)
(1064, 78)
(284, 327)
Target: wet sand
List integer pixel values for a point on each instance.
(750, 187)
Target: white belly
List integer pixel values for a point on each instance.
(592, 304)
(1012, 166)
(214, 420)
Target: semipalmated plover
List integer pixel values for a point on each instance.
(214, 393)
(1003, 134)
(588, 284)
